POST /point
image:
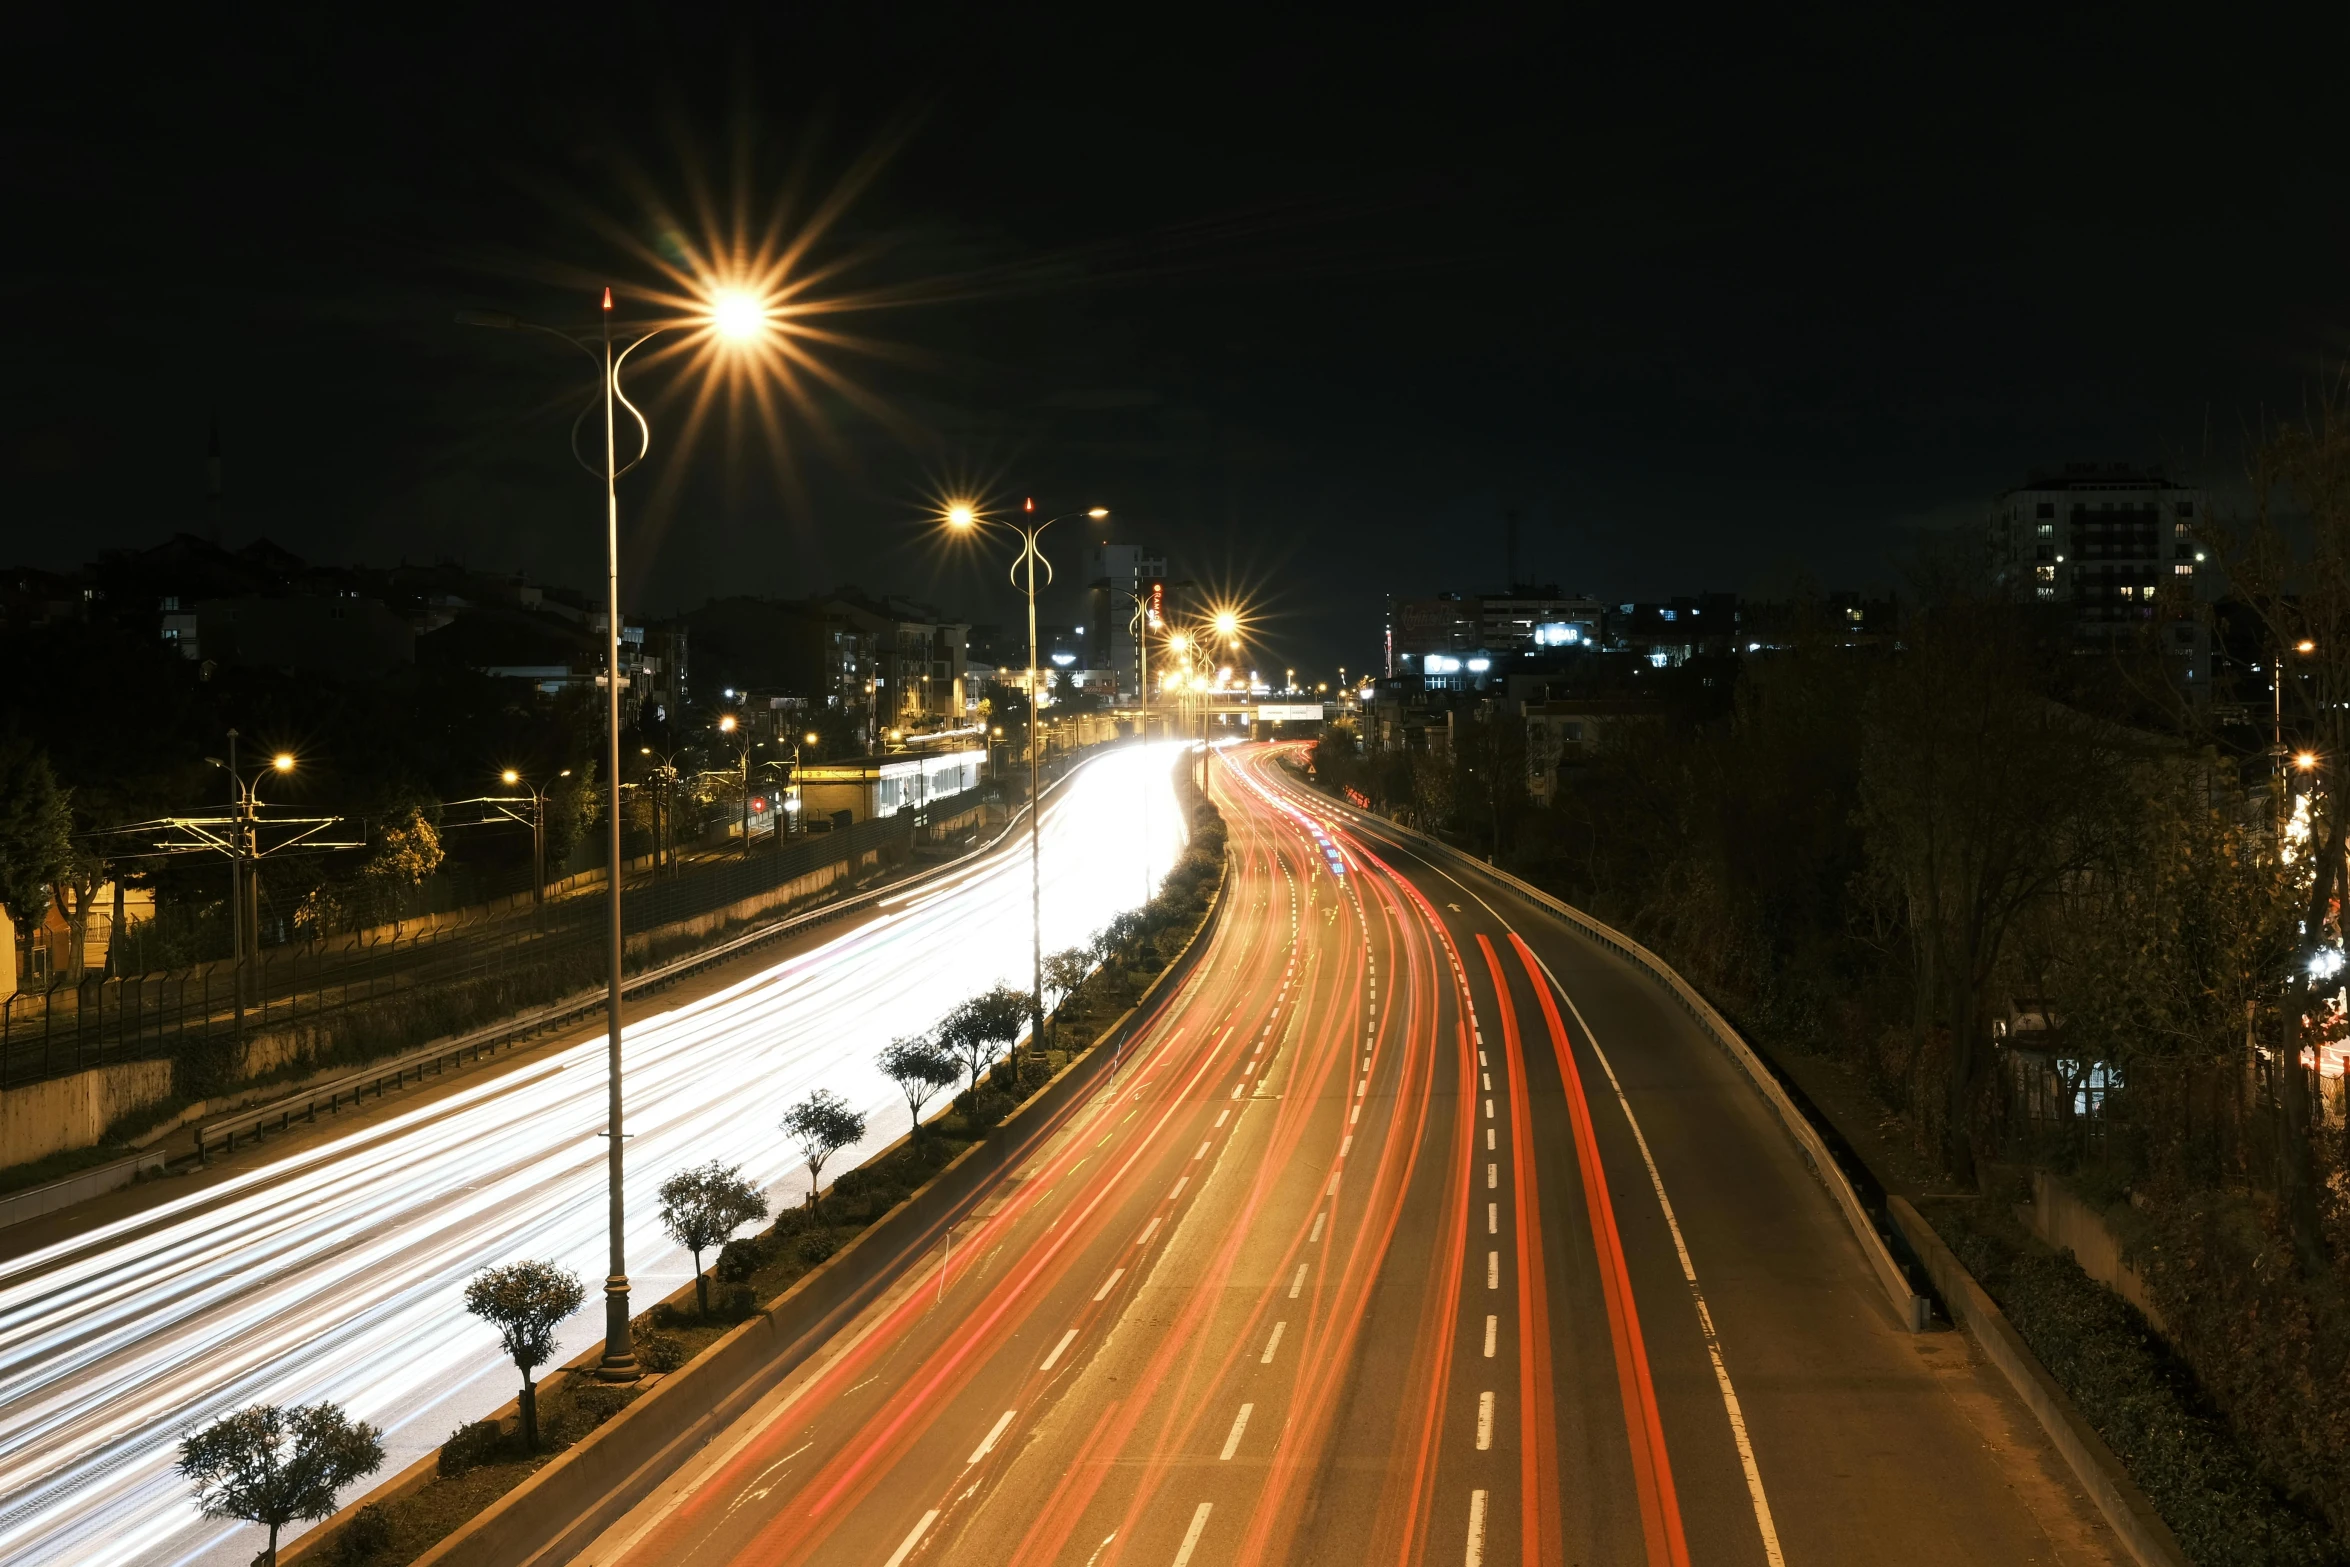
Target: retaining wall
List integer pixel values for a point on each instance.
(60, 1113)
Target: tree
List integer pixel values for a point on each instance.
(701, 1208)
(406, 851)
(272, 1466)
(974, 1029)
(1064, 971)
(36, 828)
(822, 1125)
(920, 1069)
(526, 1302)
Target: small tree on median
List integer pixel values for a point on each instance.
(974, 1030)
(701, 1209)
(272, 1466)
(920, 1069)
(1064, 971)
(822, 1125)
(526, 1302)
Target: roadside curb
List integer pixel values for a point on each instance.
(2133, 1517)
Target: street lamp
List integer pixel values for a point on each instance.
(244, 877)
(737, 319)
(512, 778)
(965, 517)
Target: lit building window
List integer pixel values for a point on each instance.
(2047, 593)
(2045, 573)
(2182, 571)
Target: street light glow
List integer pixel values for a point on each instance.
(726, 724)
(283, 762)
(2306, 760)
(510, 776)
(737, 315)
(1227, 623)
(962, 514)
(1098, 513)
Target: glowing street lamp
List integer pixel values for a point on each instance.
(966, 517)
(736, 318)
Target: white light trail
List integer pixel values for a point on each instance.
(335, 1272)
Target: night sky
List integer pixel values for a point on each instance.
(1711, 299)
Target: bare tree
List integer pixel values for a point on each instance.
(701, 1209)
(822, 1125)
(274, 1466)
(526, 1302)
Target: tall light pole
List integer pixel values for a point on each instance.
(244, 880)
(513, 778)
(736, 318)
(965, 517)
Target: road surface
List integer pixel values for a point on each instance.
(335, 1270)
(1414, 1229)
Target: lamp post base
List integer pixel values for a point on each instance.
(619, 1362)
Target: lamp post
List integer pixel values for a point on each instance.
(244, 882)
(736, 318)
(792, 804)
(538, 826)
(966, 518)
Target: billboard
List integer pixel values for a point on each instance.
(1289, 712)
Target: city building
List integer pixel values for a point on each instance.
(2114, 549)
(873, 786)
(1115, 574)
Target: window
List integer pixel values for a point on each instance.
(2047, 593)
(2179, 571)
(2047, 509)
(2045, 573)
(2047, 529)
(2047, 552)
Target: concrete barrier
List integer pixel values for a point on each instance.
(2058, 1216)
(61, 1113)
(2148, 1538)
(585, 1489)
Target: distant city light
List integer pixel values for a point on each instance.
(1478, 666)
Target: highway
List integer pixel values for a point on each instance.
(1413, 1229)
(333, 1268)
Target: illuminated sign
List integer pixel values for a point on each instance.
(1289, 712)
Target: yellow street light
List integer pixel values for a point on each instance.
(962, 514)
(2304, 646)
(726, 724)
(1179, 643)
(510, 776)
(1098, 513)
(809, 737)
(2306, 760)
(737, 315)
(283, 761)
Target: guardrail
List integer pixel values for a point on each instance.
(223, 1136)
(1913, 1309)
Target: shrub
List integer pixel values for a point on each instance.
(814, 1247)
(367, 1536)
(596, 1402)
(662, 1352)
(2142, 1399)
(741, 1259)
(470, 1446)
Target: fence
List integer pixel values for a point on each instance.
(533, 955)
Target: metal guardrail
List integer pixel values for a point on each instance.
(223, 1136)
(1911, 1307)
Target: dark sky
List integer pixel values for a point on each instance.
(1311, 301)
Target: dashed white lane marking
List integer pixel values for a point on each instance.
(1333, 1191)
(914, 1539)
(1203, 1152)
(1317, 1235)
(1493, 1218)
(1148, 1230)
(1199, 1521)
(1109, 1284)
(1493, 1270)
(1239, 1425)
(1476, 1553)
(1492, 1176)
(1067, 1339)
(1489, 1139)
(1488, 1077)
(1357, 1116)
(1221, 1115)
(994, 1431)
(1272, 1344)
(1362, 1087)
(1484, 1421)
(1344, 1143)
(1492, 1335)
(1488, 1109)
(1181, 1181)
(1481, 1058)
(1299, 1282)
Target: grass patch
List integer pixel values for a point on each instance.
(2139, 1395)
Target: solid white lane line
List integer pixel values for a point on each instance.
(1299, 1282)
(1067, 1339)
(1239, 1424)
(914, 1539)
(1148, 1230)
(1705, 1321)
(1493, 1270)
(1199, 1521)
(1109, 1284)
(1476, 1555)
(1492, 1335)
(1203, 1152)
(1272, 1344)
(1317, 1235)
(1180, 1182)
(1484, 1421)
(994, 1431)
(1493, 1218)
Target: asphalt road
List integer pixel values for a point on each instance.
(1414, 1229)
(331, 1264)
